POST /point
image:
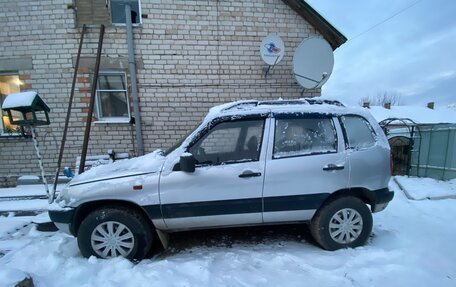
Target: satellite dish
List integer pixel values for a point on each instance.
(313, 62)
(272, 49)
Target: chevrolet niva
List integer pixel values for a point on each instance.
(248, 163)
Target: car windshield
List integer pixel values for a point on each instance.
(179, 142)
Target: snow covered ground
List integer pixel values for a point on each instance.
(10, 224)
(412, 245)
(423, 188)
(24, 190)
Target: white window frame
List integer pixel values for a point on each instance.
(100, 118)
(124, 24)
(2, 132)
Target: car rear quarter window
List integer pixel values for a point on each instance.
(359, 133)
(304, 136)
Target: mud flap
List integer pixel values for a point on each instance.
(164, 238)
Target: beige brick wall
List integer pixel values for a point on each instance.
(191, 55)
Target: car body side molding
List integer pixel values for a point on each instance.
(236, 206)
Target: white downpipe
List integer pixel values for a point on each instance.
(134, 88)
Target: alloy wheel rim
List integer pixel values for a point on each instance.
(111, 239)
(345, 226)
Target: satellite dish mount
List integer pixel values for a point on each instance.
(272, 50)
(318, 83)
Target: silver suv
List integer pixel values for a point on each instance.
(248, 163)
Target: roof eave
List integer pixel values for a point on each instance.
(328, 31)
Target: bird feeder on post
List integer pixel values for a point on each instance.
(28, 109)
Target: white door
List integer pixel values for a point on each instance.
(306, 161)
(227, 184)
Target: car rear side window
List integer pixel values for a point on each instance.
(359, 133)
(304, 136)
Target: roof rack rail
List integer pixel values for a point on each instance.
(321, 102)
(303, 101)
(241, 104)
(283, 102)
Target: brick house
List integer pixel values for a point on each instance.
(190, 55)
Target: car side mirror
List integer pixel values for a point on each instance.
(187, 162)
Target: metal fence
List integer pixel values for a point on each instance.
(431, 152)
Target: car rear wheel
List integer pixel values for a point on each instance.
(112, 232)
(341, 223)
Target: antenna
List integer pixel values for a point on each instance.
(313, 62)
(272, 50)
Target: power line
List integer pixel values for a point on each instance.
(385, 20)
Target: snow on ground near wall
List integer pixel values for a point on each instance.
(25, 190)
(422, 188)
(24, 205)
(412, 245)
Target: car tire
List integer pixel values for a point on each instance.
(116, 231)
(344, 222)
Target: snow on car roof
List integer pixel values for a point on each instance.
(282, 106)
(23, 99)
(330, 107)
(418, 114)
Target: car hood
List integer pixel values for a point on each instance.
(149, 163)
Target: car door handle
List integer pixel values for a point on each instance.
(332, 166)
(249, 174)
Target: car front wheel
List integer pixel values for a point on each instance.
(112, 232)
(341, 223)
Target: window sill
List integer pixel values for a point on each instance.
(112, 121)
(134, 25)
(11, 136)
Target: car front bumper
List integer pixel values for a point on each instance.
(63, 219)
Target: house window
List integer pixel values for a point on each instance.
(94, 12)
(9, 84)
(112, 97)
(118, 11)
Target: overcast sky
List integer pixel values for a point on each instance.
(413, 54)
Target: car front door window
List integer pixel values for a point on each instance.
(230, 142)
